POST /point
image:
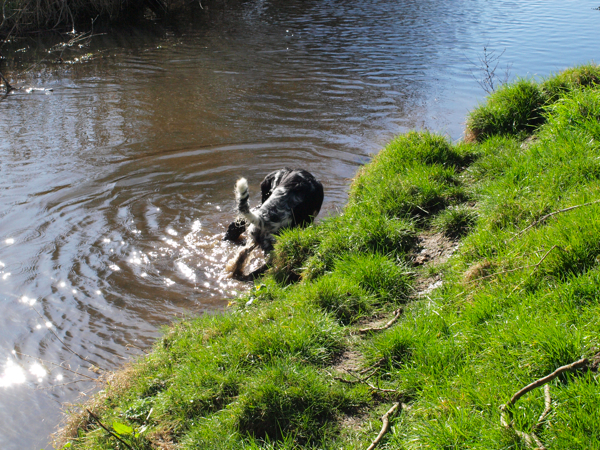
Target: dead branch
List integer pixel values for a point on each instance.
(583, 362)
(385, 327)
(358, 379)
(506, 421)
(377, 364)
(377, 388)
(385, 426)
(547, 408)
(547, 216)
(488, 64)
(97, 420)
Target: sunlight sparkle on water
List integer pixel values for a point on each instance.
(37, 370)
(27, 300)
(187, 271)
(10, 241)
(12, 374)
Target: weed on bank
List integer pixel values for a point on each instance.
(292, 364)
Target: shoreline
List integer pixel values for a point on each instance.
(359, 313)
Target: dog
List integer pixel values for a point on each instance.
(290, 198)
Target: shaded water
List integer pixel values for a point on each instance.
(116, 186)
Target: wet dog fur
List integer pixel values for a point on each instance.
(290, 198)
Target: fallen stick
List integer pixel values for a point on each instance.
(531, 438)
(385, 426)
(547, 216)
(537, 383)
(385, 327)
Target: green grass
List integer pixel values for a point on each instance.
(517, 302)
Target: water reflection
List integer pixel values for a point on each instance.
(116, 183)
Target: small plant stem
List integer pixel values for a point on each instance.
(537, 266)
(385, 426)
(97, 420)
(385, 327)
(57, 365)
(547, 216)
(59, 385)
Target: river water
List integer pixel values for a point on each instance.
(117, 166)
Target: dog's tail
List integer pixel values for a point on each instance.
(241, 196)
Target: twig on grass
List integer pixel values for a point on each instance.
(97, 420)
(385, 327)
(385, 426)
(547, 216)
(583, 362)
(537, 266)
(547, 408)
(377, 364)
(357, 380)
(506, 417)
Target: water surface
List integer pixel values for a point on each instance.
(116, 185)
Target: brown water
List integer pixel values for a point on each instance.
(116, 186)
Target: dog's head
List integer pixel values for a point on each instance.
(235, 230)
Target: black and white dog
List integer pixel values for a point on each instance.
(290, 198)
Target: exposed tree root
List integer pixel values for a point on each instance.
(386, 425)
(385, 327)
(531, 439)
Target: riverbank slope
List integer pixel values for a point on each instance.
(365, 314)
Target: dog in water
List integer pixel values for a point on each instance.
(290, 198)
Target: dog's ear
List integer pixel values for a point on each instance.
(235, 230)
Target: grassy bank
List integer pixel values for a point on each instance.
(309, 358)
